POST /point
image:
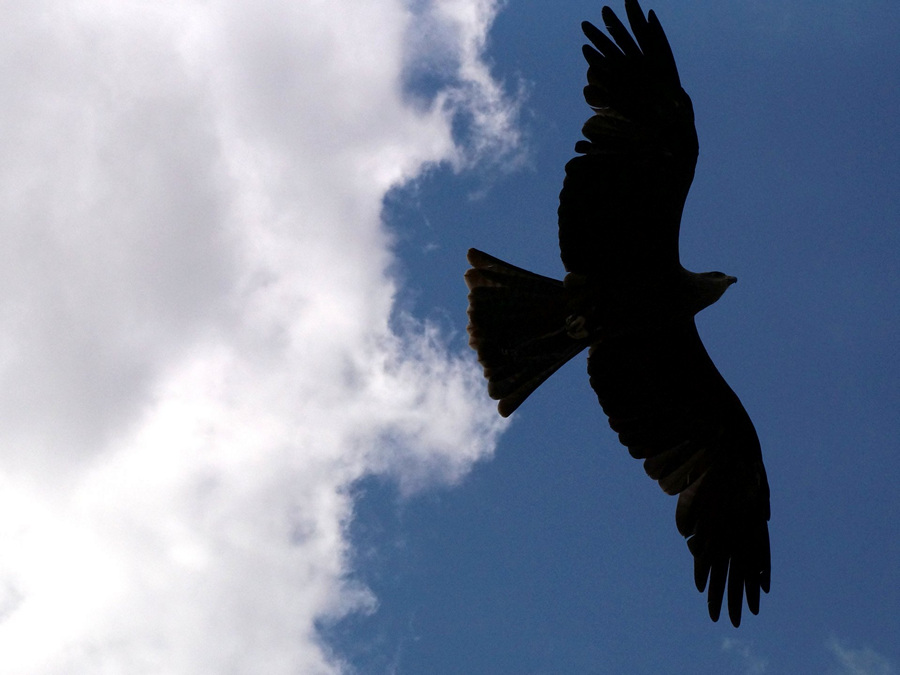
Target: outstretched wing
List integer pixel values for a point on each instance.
(672, 408)
(621, 202)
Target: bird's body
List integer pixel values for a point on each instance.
(628, 299)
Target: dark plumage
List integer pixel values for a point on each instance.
(627, 297)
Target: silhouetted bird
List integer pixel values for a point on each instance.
(627, 297)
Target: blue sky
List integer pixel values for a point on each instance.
(240, 427)
(559, 555)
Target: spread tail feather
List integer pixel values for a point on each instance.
(517, 324)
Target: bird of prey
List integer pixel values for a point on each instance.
(628, 299)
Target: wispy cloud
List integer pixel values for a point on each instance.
(199, 353)
(749, 661)
(446, 42)
(864, 661)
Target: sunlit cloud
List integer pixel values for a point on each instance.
(199, 345)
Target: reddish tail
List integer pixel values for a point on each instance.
(517, 324)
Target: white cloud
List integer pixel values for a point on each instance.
(865, 661)
(195, 339)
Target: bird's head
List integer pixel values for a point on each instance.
(707, 287)
(720, 279)
(718, 283)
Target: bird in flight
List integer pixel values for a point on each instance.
(628, 299)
